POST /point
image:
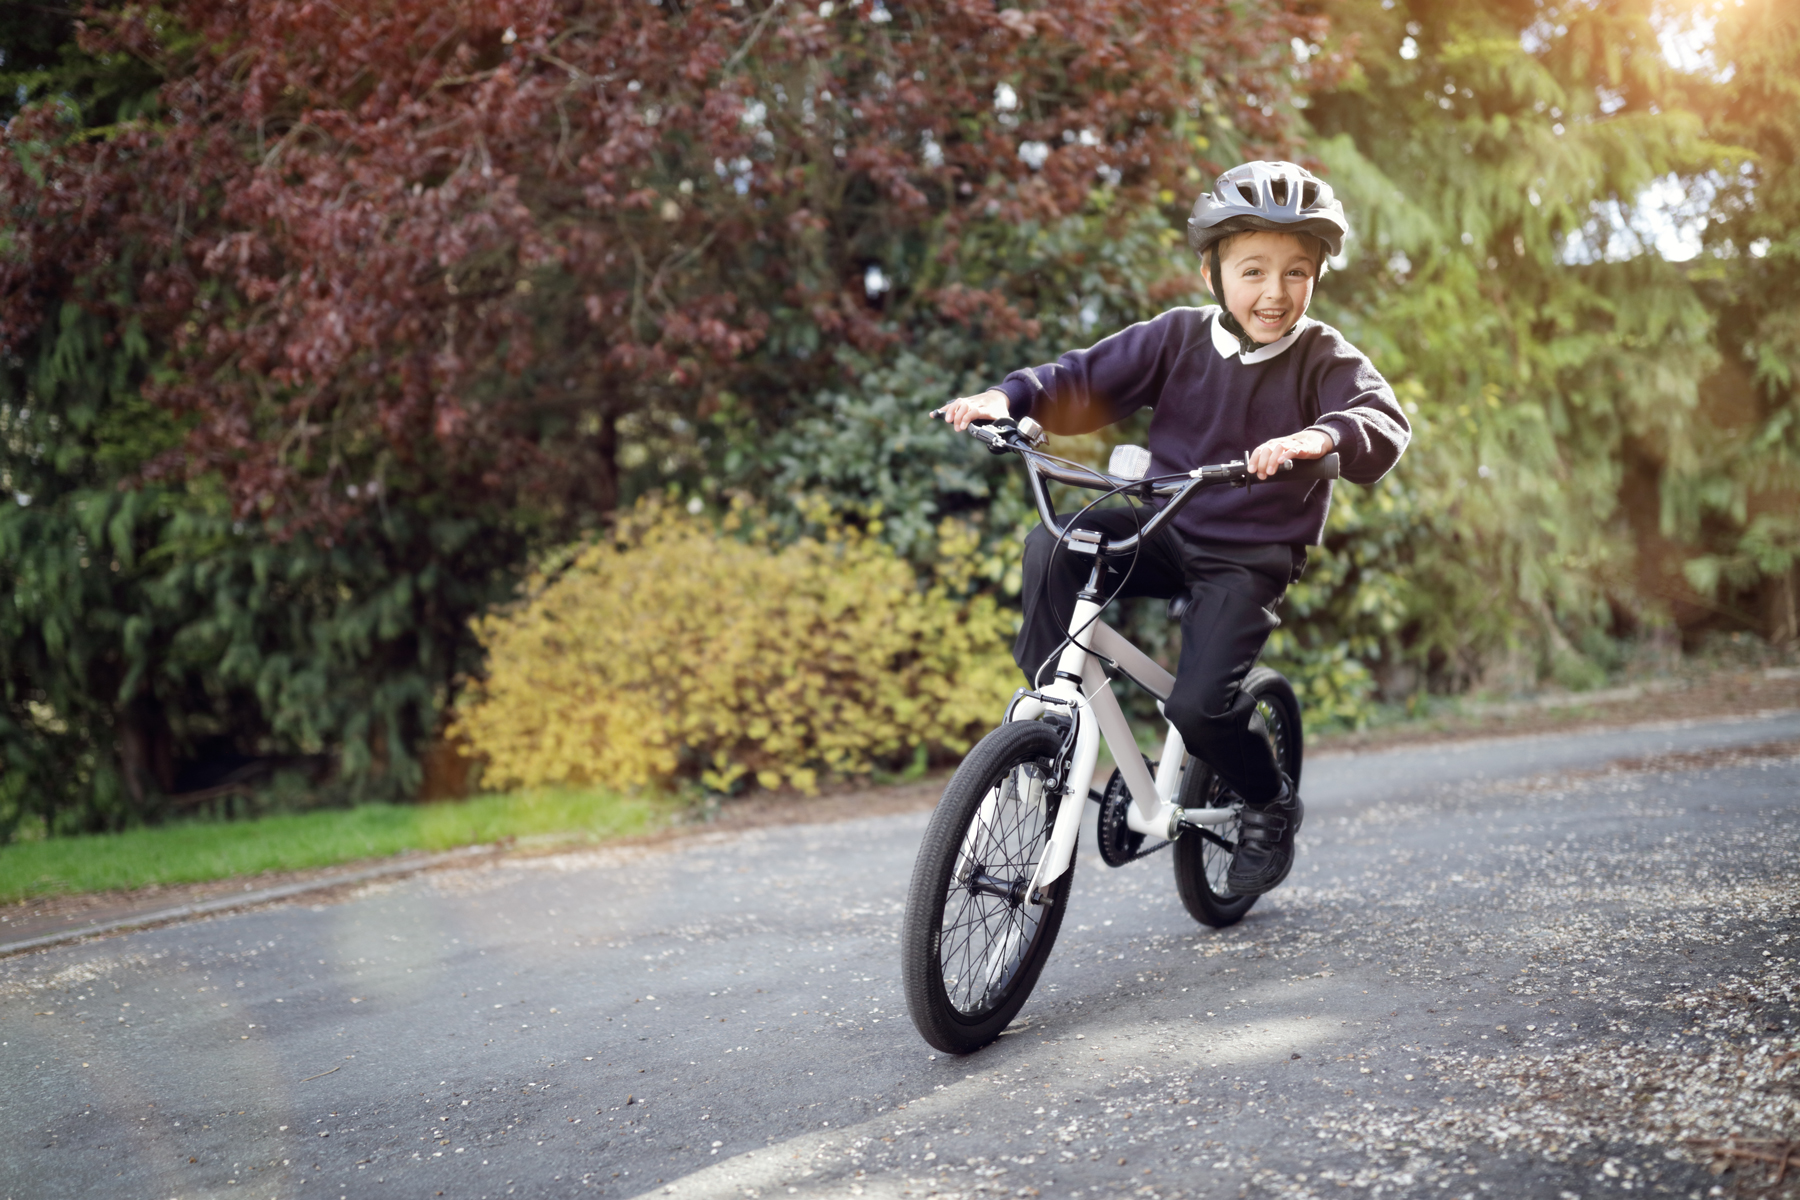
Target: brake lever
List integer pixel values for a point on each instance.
(989, 432)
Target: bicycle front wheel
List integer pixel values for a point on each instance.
(972, 944)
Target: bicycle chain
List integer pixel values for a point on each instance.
(1163, 845)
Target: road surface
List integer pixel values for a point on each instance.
(1497, 970)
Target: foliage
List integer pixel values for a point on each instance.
(1735, 495)
(1505, 275)
(321, 322)
(468, 239)
(671, 649)
(152, 645)
(152, 649)
(870, 449)
(325, 319)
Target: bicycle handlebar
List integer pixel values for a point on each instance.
(1005, 437)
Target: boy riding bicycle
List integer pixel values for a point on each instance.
(1253, 371)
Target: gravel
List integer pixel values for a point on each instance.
(1578, 984)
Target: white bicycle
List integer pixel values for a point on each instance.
(992, 878)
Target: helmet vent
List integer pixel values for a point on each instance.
(1247, 192)
(1278, 191)
(1309, 195)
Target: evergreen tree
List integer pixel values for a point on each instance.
(1506, 276)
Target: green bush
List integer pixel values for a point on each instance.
(676, 650)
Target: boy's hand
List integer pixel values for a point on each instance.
(989, 406)
(1267, 458)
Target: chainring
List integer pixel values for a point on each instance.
(1119, 842)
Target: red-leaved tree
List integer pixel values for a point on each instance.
(443, 247)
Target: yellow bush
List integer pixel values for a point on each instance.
(673, 649)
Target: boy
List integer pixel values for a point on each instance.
(1252, 372)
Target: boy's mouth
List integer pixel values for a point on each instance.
(1269, 316)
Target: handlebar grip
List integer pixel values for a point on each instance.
(1301, 470)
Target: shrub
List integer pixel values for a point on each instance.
(675, 649)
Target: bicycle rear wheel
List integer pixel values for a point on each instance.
(1203, 855)
(971, 944)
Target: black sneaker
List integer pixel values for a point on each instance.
(1265, 849)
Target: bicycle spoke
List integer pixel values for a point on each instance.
(984, 939)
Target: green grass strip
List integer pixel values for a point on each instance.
(195, 852)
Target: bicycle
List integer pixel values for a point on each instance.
(993, 875)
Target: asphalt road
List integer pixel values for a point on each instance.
(1492, 974)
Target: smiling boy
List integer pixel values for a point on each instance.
(1255, 374)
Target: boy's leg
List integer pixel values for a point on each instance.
(1051, 581)
(1229, 617)
(1232, 595)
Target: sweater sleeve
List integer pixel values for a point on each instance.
(1358, 409)
(1085, 390)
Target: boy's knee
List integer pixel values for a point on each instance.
(1038, 542)
(1207, 720)
(1040, 548)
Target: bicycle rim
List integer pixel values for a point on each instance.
(985, 941)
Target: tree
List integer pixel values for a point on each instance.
(472, 238)
(354, 308)
(1494, 160)
(1729, 520)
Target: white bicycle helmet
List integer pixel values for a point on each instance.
(1280, 197)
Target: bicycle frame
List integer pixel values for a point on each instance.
(1083, 683)
(1098, 716)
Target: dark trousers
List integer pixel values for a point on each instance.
(1232, 592)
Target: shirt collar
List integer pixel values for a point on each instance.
(1228, 347)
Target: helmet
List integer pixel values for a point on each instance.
(1280, 197)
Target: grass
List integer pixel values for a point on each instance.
(201, 851)
(195, 852)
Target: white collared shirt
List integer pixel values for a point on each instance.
(1228, 346)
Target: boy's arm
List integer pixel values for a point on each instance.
(1358, 410)
(1085, 390)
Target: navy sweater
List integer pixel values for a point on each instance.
(1213, 404)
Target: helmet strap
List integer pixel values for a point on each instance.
(1232, 326)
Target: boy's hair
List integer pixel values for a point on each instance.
(1217, 250)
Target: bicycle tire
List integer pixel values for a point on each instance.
(969, 958)
(1200, 863)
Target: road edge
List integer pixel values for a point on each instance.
(205, 908)
(408, 866)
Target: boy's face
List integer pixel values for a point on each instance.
(1268, 280)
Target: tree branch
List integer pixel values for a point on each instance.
(751, 40)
